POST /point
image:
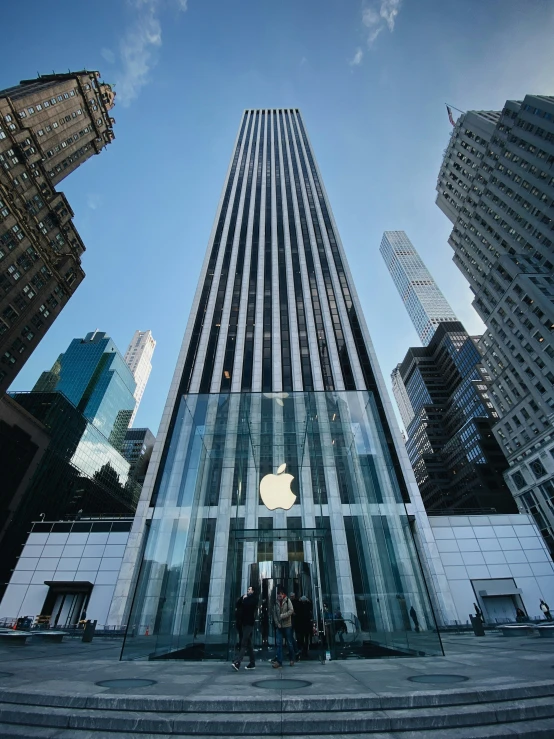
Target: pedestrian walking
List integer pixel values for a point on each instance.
(248, 611)
(282, 618)
(546, 610)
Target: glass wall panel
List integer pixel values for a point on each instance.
(328, 522)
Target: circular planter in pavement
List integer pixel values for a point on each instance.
(438, 679)
(126, 682)
(282, 684)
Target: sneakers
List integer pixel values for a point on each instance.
(236, 666)
(250, 667)
(291, 663)
(276, 665)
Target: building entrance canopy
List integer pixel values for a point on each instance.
(277, 477)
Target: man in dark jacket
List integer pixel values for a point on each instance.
(248, 610)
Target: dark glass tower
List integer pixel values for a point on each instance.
(457, 462)
(276, 368)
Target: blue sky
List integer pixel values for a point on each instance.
(371, 79)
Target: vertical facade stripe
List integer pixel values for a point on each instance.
(209, 357)
(198, 326)
(245, 339)
(257, 369)
(288, 231)
(317, 287)
(267, 359)
(231, 316)
(284, 327)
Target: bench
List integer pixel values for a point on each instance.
(48, 636)
(14, 637)
(546, 631)
(517, 629)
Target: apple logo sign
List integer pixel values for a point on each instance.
(275, 490)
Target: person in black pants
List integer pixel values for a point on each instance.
(248, 610)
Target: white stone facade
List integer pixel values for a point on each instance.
(499, 562)
(91, 556)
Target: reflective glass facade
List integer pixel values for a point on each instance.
(276, 368)
(80, 472)
(93, 375)
(211, 533)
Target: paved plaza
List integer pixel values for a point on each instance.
(73, 667)
(484, 680)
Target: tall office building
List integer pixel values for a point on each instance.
(92, 374)
(138, 358)
(48, 127)
(426, 305)
(496, 185)
(278, 459)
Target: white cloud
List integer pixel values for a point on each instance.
(94, 200)
(108, 55)
(378, 15)
(139, 46)
(389, 10)
(357, 58)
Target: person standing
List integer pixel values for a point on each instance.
(546, 610)
(248, 612)
(282, 618)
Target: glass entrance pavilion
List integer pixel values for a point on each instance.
(328, 522)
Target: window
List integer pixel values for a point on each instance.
(518, 480)
(27, 333)
(537, 468)
(9, 313)
(8, 358)
(30, 110)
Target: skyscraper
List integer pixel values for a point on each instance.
(91, 373)
(425, 303)
(278, 460)
(457, 462)
(48, 127)
(496, 185)
(138, 358)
